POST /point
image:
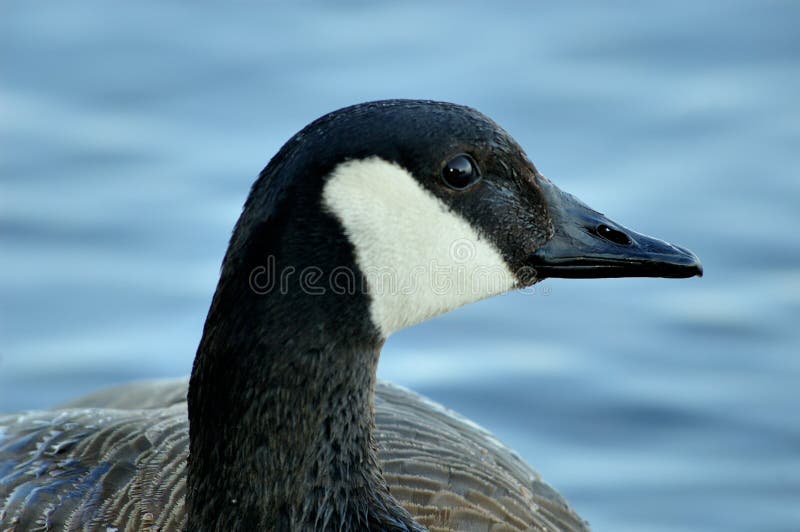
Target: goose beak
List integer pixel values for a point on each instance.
(586, 244)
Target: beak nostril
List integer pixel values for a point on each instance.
(612, 235)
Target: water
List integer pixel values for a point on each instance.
(130, 136)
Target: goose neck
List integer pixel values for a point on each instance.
(281, 422)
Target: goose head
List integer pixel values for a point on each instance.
(431, 206)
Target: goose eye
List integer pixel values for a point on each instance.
(461, 172)
(618, 237)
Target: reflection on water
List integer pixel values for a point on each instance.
(130, 138)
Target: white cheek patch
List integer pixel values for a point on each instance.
(420, 259)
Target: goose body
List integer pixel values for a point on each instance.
(372, 218)
(122, 454)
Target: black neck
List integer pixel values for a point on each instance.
(281, 403)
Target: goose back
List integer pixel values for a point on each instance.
(116, 460)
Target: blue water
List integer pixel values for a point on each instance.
(129, 135)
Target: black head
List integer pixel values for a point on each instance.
(432, 195)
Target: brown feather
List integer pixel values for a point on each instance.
(116, 460)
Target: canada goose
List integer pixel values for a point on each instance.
(370, 219)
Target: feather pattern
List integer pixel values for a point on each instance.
(115, 461)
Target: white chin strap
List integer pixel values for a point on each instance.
(420, 259)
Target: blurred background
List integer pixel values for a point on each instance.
(129, 136)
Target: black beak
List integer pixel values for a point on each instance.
(586, 244)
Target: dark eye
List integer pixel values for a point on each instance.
(618, 237)
(461, 172)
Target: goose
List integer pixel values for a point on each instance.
(370, 219)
